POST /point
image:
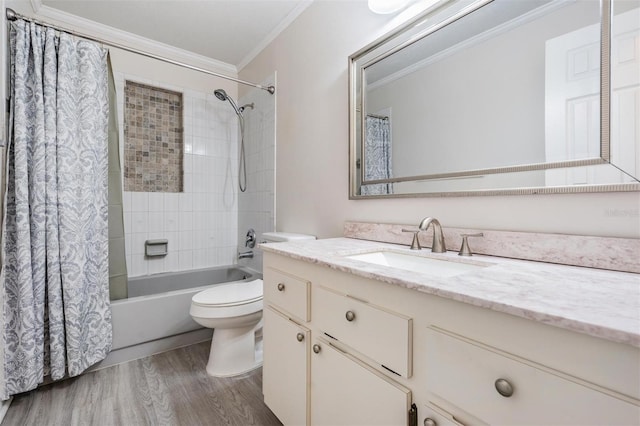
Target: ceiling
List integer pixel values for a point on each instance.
(230, 31)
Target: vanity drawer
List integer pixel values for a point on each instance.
(288, 292)
(465, 373)
(377, 333)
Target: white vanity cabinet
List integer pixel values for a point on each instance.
(375, 348)
(324, 384)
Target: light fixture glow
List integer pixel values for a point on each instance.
(385, 7)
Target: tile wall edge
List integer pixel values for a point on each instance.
(617, 254)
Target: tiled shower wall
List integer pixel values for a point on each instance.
(256, 206)
(200, 223)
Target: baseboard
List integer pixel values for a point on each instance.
(153, 347)
(4, 407)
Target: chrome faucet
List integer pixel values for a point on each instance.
(250, 239)
(438, 245)
(245, 254)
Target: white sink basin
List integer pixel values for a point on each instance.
(427, 265)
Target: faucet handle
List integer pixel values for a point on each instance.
(250, 239)
(464, 248)
(415, 244)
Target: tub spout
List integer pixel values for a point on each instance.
(245, 254)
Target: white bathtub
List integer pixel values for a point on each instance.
(156, 318)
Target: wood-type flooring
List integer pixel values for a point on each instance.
(171, 388)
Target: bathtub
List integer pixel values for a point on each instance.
(156, 318)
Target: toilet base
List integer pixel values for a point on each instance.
(233, 352)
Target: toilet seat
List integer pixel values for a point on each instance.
(228, 295)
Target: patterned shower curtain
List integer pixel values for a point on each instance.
(377, 163)
(56, 313)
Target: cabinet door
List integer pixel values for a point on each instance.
(344, 391)
(285, 370)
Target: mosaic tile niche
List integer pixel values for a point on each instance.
(153, 139)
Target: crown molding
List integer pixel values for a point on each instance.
(35, 5)
(300, 7)
(115, 35)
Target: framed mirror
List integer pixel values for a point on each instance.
(499, 97)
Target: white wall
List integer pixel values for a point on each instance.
(312, 146)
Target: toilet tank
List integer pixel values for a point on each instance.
(278, 237)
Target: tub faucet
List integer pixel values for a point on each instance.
(438, 245)
(245, 254)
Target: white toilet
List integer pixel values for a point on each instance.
(234, 310)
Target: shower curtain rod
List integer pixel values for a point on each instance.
(381, 117)
(13, 15)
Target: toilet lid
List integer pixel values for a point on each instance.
(232, 294)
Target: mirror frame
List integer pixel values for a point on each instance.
(380, 50)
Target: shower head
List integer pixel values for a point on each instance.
(222, 95)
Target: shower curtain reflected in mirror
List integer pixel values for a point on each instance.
(377, 161)
(54, 278)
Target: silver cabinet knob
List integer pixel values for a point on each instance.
(504, 388)
(300, 337)
(350, 315)
(430, 422)
(280, 286)
(317, 349)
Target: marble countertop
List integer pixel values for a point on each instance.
(604, 304)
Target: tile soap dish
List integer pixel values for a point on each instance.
(156, 248)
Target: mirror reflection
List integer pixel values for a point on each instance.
(501, 96)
